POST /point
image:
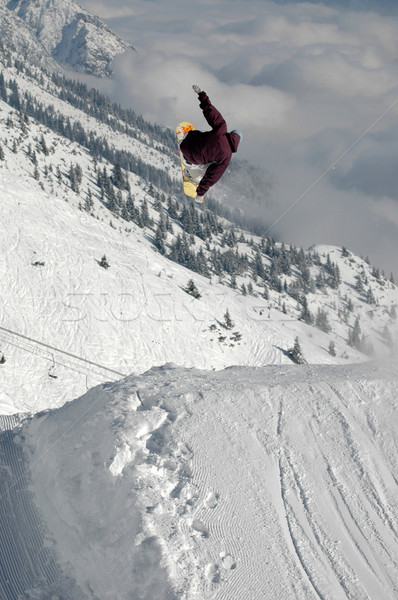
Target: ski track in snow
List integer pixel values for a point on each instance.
(268, 481)
(274, 483)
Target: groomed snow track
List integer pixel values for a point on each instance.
(28, 567)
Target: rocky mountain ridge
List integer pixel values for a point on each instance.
(68, 33)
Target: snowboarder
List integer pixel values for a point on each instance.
(212, 150)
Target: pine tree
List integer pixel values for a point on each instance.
(192, 289)
(3, 89)
(358, 283)
(370, 299)
(145, 218)
(322, 321)
(14, 99)
(159, 239)
(354, 336)
(43, 146)
(89, 202)
(2, 156)
(258, 266)
(227, 320)
(332, 349)
(74, 179)
(104, 262)
(305, 314)
(296, 353)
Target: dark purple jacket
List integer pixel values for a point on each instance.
(215, 146)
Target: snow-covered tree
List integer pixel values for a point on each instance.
(159, 239)
(227, 320)
(354, 335)
(345, 252)
(145, 218)
(332, 349)
(192, 289)
(305, 313)
(322, 321)
(104, 262)
(43, 146)
(296, 353)
(358, 283)
(370, 299)
(3, 89)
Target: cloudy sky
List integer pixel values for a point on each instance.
(313, 86)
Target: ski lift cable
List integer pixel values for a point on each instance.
(62, 363)
(332, 166)
(69, 354)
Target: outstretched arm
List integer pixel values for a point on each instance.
(211, 114)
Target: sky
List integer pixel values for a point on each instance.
(313, 87)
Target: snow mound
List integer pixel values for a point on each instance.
(247, 483)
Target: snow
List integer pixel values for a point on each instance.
(147, 451)
(86, 325)
(127, 318)
(71, 35)
(246, 483)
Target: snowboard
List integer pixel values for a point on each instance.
(189, 184)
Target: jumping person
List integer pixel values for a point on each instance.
(209, 152)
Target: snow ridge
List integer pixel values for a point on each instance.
(251, 484)
(71, 34)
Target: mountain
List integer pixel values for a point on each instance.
(188, 409)
(246, 483)
(71, 35)
(15, 34)
(81, 178)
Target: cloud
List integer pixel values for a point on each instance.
(374, 172)
(108, 11)
(384, 7)
(308, 83)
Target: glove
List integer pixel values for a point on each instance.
(199, 199)
(196, 89)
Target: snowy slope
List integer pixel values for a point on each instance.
(245, 484)
(127, 318)
(191, 480)
(99, 324)
(14, 33)
(71, 34)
